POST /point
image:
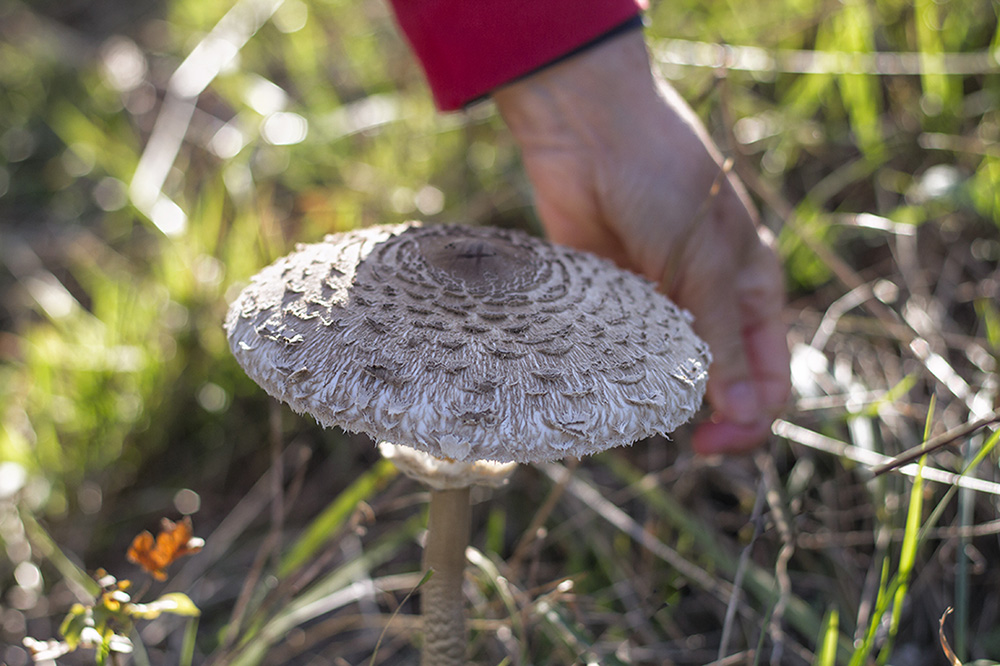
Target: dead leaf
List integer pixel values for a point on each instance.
(952, 658)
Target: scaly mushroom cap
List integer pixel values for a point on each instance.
(469, 343)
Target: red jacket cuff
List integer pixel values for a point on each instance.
(470, 47)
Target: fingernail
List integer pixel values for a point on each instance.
(741, 403)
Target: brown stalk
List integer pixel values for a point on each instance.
(935, 443)
(442, 603)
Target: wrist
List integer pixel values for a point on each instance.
(583, 90)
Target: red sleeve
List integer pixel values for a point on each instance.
(469, 47)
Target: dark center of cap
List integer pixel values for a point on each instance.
(476, 263)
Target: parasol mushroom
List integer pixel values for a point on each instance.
(441, 600)
(468, 344)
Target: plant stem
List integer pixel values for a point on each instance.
(441, 600)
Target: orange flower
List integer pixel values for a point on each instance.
(174, 541)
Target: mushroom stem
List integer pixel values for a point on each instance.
(441, 601)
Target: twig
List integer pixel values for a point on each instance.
(621, 520)
(769, 477)
(687, 53)
(836, 310)
(741, 568)
(820, 442)
(538, 520)
(392, 616)
(854, 539)
(278, 477)
(247, 590)
(935, 443)
(958, 144)
(271, 545)
(738, 659)
(208, 58)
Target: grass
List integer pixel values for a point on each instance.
(867, 133)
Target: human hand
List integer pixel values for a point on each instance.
(621, 167)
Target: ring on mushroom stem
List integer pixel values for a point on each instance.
(468, 344)
(450, 483)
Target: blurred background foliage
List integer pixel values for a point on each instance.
(156, 153)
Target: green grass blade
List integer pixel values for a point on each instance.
(907, 558)
(860, 92)
(862, 652)
(828, 638)
(335, 515)
(940, 91)
(187, 649)
(44, 545)
(911, 535)
(322, 596)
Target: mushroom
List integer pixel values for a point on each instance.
(469, 344)
(450, 483)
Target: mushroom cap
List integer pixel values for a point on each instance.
(441, 474)
(469, 343)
